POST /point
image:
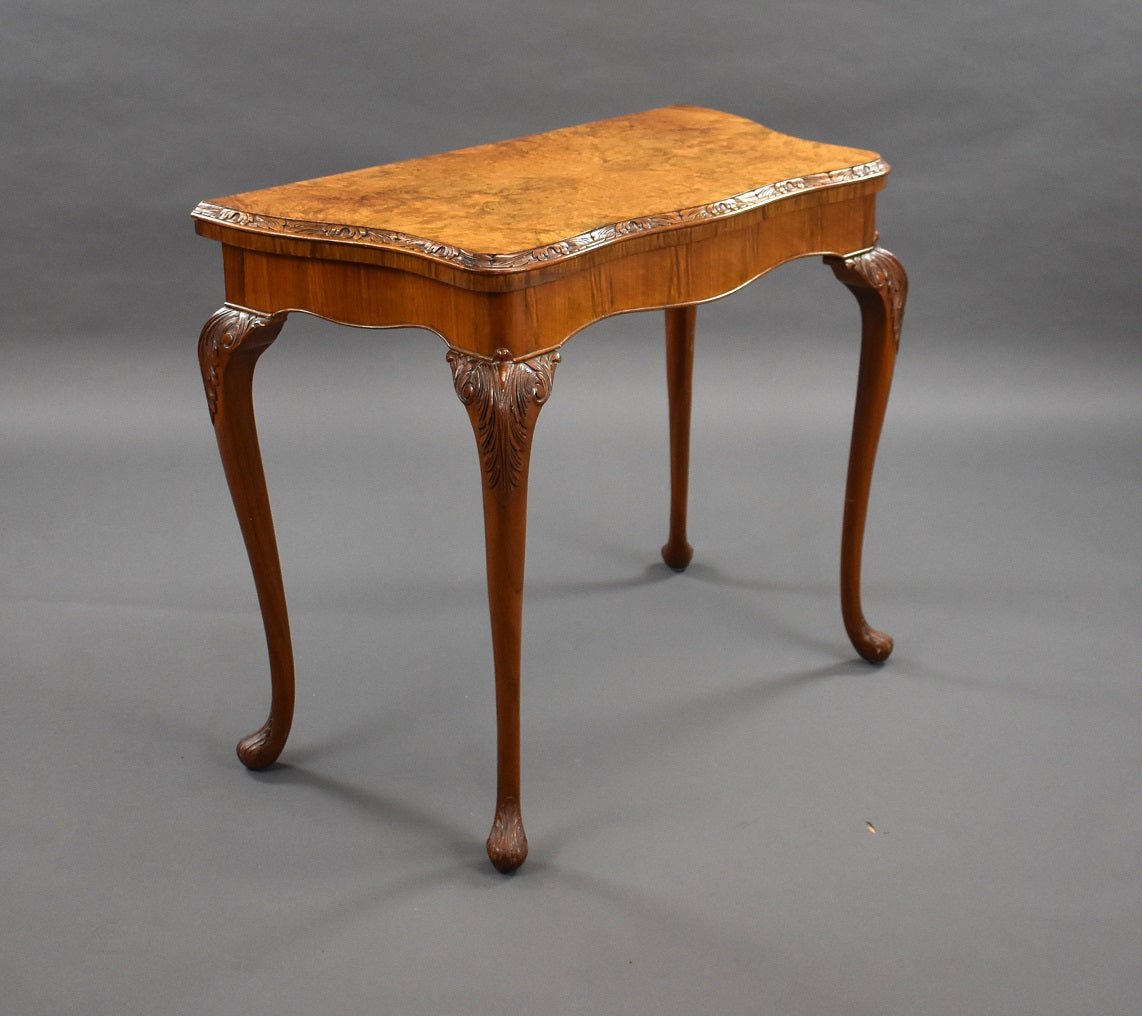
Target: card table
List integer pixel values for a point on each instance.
(506, 250)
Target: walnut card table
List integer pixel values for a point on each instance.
(506, 251)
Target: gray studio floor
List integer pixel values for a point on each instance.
(705, 760)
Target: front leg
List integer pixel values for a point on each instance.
(231, 342)
(503, 398)
(878, 281)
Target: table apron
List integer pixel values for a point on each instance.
(686, 266)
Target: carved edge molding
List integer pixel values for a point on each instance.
(225, 330)
(882, 270)
(370, 236)
(499, 394)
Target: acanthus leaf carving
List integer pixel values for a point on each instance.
(224, 332)
(501, 395)
(882, 270)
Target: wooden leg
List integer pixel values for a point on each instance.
(231, 342)
(503, 398)
(877, 280)
(679, 375)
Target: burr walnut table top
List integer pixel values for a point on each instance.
(520, 205)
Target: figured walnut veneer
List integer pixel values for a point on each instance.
(553, 195)
(508, 249)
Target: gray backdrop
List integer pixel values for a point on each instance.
(704, 761)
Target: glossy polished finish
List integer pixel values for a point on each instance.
(506, 251)
(676, 552)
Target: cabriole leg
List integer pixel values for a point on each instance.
(503, 398)
(231, 342)
(679, 376)
(878, 281)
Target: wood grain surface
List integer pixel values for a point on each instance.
(517, 204)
